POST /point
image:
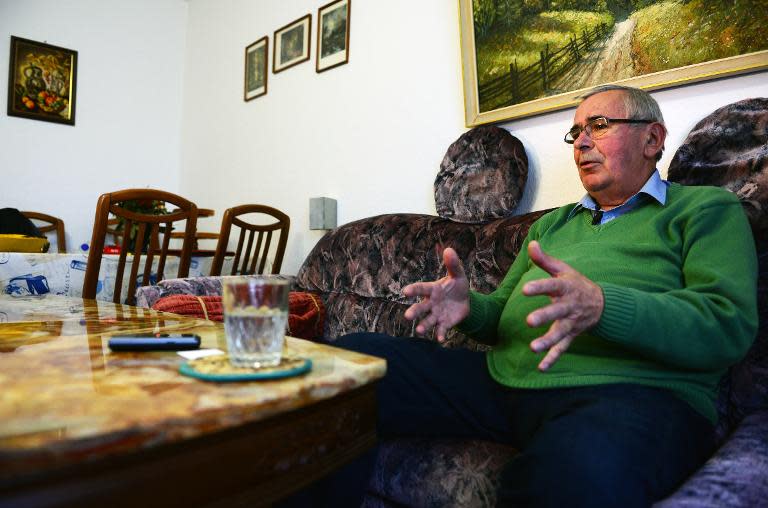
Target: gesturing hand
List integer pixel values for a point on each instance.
(444, 302)
(577, 304)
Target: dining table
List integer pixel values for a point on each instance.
(82, 425)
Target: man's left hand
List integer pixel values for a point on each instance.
(577, 304)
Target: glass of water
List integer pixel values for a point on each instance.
(255, 315)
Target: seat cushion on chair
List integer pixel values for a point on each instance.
(482, 176)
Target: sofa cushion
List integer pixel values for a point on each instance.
(146, 296)
(729, 148)
(202, 307)
(439, 472)
(482, 176)
(306, 311)
(736, 475)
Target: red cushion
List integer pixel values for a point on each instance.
(305, 311)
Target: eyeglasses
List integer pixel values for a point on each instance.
(597, 127)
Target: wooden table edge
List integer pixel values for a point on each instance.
(219, 470)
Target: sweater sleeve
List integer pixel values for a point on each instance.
(711, 321)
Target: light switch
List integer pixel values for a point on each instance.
(322, 213)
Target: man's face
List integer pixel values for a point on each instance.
(611, 168)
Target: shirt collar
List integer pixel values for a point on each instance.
(654, 187)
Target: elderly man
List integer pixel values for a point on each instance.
(610, 331)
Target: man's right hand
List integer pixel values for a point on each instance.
(444, 303)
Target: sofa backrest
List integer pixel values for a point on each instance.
(360, 268)
(729, 148)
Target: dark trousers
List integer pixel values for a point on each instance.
(613, 445)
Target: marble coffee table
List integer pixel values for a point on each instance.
(81, 425)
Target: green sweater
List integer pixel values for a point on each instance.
(679, 282)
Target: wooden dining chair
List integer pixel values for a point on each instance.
(152, 229)
(50, 224)
(250, 258)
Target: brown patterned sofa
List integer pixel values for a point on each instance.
(360, 268)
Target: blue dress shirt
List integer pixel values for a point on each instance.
(654, 187)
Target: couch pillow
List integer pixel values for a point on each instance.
(482, 176)
(305, 311)
(729, 148)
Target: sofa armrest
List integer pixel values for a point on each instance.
(146, 296)
(736, 475)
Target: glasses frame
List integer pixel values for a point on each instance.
(588, 127)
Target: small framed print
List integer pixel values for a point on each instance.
(42, 81)
(292, 44)
(333, 35)
(256, 69)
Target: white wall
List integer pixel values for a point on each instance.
(127, 129)
(370, 133)
(160, 85)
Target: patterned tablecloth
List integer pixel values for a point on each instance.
(63, 274)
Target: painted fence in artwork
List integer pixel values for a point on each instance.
(530, 82)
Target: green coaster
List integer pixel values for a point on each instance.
(218, 369)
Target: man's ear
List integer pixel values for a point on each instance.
(655, 137)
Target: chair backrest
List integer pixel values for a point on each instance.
(250, 258)
(51, 224)
(152, 229)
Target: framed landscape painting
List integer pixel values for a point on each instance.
(526, 57)
(292, 44)
(42, 80)
(333, 35)
(256, 69)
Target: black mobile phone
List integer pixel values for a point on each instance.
(154, 342)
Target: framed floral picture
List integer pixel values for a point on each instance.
(333, 35)
(523, 58)
(256, 69)
(42, 80)
(291, 44)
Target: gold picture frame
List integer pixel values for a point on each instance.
(256, 69)
(518, 108)
(42, 81)
(291, 44)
